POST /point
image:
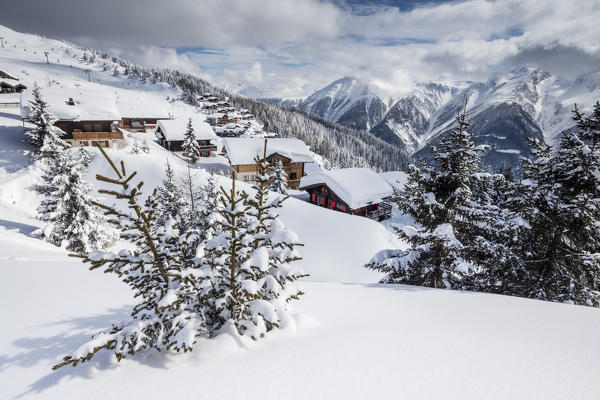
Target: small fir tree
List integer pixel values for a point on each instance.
(170, 198)
(460, 238)
(169, 314)
(558, 203)
(43, 119)
(278, 178)
(72, 221)
(191, 147)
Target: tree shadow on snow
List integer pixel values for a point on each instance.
(21, 228)
(50, 350)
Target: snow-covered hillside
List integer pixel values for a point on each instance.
(347, 101)
(353, 338)
(506, 109)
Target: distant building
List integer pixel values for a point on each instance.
(357, 191)
(217, 119)
(6, 87)
(293, 154)
(85, 118)
(139, 116)
(171, 135)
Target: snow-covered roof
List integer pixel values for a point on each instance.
(89, 105)
(356, 186)
(397, 179)
(136, 108)
(241, 151)
(215, 116)
(174, 129)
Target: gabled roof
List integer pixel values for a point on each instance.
(241, 151)
(174, 129)
(358, 187)
(5, 75)
(134, 108)
(89, 105)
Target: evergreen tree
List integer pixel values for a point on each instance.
(145, 147)
(249, 262)
(460, 241)
(557, 202)
(278, 178)
(135, 147)
(72, 221)
(43, 119)
(191, 147)
(170, 198)
(230, 265)
(169, 314)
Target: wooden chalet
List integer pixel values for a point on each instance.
(85, 118)
(171, 135)
(217, 119)
(6, 87)
(292, 153)
(356, 191)
(139, 116)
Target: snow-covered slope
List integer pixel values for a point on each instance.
(347, 101)
(353, 339)
(524, 102)
(408, 120)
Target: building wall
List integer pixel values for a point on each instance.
(248, 172)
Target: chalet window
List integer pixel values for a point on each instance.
(344, 208)
(85, 143)
(332, 205)
(293, 176)
(322, 188)
(313, 198)
(323, 201)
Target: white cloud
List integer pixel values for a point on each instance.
(293, 47)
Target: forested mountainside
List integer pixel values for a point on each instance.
(340, 146)
(506, 110)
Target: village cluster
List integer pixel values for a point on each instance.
(220, 130)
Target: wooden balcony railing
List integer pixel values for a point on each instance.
(97, 135)
(384, 210)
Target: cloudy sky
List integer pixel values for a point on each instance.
(289, 48)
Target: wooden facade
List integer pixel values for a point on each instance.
(86, 133)
(323, 196)
(207, 148)
(139, 124)
(6, 87)
(294, 170)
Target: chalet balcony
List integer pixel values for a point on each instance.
(212, 147)
(97, 135)
(384, 211)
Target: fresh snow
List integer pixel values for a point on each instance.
(358, 187)
(351, 337)
(174, 129)
(242, 151)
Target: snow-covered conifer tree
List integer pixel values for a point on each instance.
(460, 239)
(72, 220)
(43, 119)
(191, 148)
(249, 263)
(135, 147)
(278, 177)
(145, 147)
(558, 203)
(169, 313)
(170, 198)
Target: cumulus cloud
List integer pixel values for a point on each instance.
(290, 48)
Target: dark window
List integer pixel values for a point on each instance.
(293, 176)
